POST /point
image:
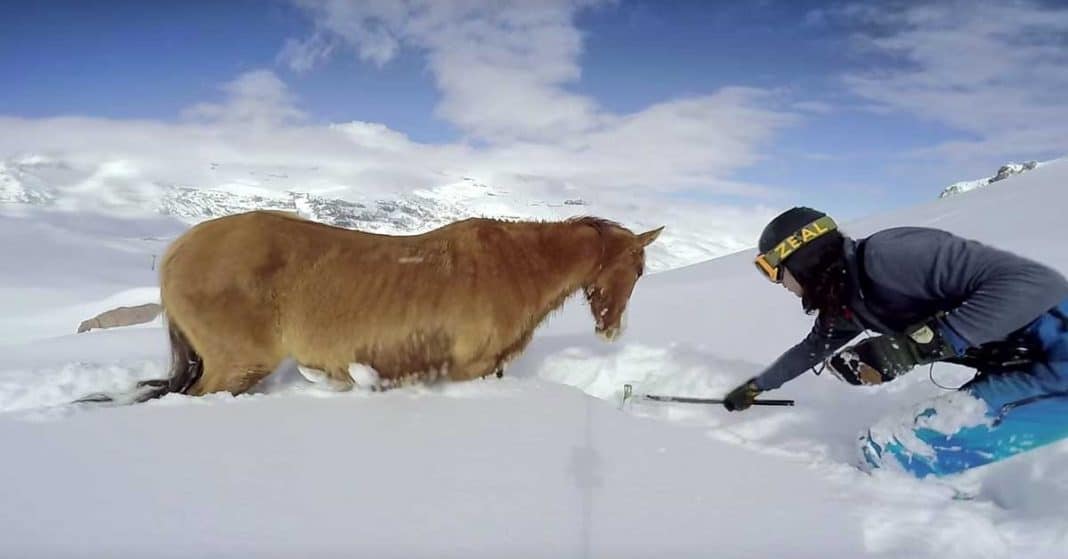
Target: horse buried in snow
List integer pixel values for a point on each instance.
(242, 293)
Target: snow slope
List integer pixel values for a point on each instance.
(539, 464)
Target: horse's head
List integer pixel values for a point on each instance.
(622, 263)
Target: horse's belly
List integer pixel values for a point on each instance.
(392, 354)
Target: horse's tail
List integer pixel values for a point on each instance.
(186, 368)
(186, 364)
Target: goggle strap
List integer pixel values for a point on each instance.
(771, 271)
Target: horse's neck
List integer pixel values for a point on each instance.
(571, 254)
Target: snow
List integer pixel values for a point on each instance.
(543, 462)
(363, 375)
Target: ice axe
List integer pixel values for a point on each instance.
(628, 393)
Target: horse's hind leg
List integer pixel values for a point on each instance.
(236, 357)
(229, 376)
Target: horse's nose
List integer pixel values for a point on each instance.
(609, 334)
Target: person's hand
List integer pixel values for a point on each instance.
(742, 397)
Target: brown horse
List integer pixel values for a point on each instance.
(244, 292)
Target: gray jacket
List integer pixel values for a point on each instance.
(901, 277)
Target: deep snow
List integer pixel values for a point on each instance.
(541, 463)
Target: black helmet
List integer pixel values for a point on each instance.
(792, 238)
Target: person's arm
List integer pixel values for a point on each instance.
(824, 339)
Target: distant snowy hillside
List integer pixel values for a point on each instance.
(19, 184)
(403, 215)
(1004, 172)
(117, 187)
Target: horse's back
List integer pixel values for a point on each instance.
(233, 261)
(240, 236)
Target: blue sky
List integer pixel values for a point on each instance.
(855, 108)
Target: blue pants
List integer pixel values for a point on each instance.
(997, 415)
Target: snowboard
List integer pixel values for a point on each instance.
(937, 445)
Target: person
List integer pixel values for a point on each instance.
(931, 296)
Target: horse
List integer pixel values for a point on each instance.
(245, 292)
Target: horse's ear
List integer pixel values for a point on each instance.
(647, 238)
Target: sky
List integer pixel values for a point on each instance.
(850, 107)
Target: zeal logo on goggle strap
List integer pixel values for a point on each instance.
(770, 260)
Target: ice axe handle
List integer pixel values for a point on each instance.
(687, 400)
(773, 402)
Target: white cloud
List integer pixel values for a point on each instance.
(503, 70)
(257, 98)
(994, 71)
(303, 55)
(501, 67)
(688, 144)
(367, 27)
(691, 143)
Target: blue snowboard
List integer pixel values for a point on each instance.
(1001, 434)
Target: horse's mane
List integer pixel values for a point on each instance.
(599, 223)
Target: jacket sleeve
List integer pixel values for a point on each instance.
(995, 292)
(826, 337)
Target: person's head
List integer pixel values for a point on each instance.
(802, 249)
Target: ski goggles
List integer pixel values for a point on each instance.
(770, 262)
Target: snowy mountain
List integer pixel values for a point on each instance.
(404, 215)
(542, 463)
(40, 181)
(1004, 172)
(21, 185)
(118, 187)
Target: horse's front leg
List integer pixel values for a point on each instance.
(475, 368)
(335, 379)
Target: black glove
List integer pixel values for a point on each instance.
(742, 397)
(884, 358)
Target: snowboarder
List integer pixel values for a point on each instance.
(931, 296)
